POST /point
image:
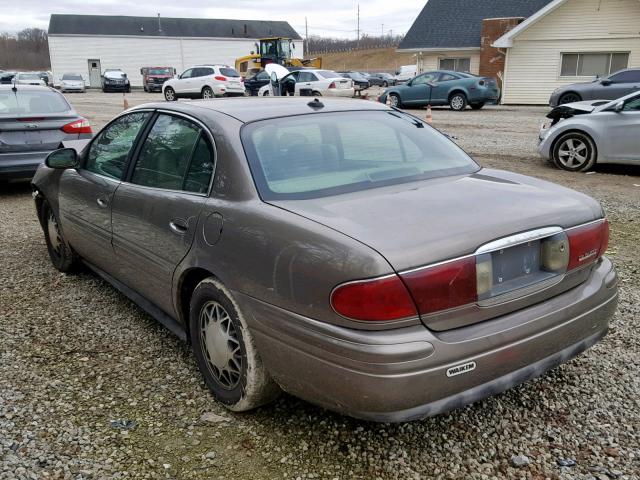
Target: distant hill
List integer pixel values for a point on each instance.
(374, 60)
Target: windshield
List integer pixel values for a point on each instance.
(327, 74)
(327, 154)
(229, 72)
(71, 76)
(160, 71)
(114, 74)
(31, 101)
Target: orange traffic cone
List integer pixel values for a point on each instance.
(429, 115)
(125, 101)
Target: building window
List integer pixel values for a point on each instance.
(591, 64)
(456, 64)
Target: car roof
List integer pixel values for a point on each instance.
(28, 87)
(250, 109)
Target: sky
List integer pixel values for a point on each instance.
(335, 18)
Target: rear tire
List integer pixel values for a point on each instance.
(316, 93)
(458, 102)
(225, 350)
(60, 253)
(170, 94)
(207, 93)
(574, 152)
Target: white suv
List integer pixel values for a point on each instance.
(204, 81)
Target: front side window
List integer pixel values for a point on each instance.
(424, 79)
(456, 64)
(187, 73)
(329, 154)
(593, 64)
(632, 105)
(174, 157)
(110, 150)
(630, 76)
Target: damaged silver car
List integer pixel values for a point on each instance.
(582, 134)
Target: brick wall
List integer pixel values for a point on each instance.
(491, 59)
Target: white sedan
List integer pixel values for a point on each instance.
(310, 82)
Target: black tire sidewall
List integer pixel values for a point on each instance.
(204, 293)
(583, 138)
(576, 98)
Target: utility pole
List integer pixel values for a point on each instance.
(358, 44)
(306, 30)
(382, 31)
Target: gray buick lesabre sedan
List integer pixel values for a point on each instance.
(339, 250)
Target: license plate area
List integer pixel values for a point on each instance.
(514, 268)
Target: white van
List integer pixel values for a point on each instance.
(406, 73)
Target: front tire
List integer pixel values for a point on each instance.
(458, 102)
(61, 255)
(574, 152)
(570, 97)
(170, 94)
(225, 350)
(395, 101)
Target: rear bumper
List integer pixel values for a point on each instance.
(340, 92)
(401, 374)
(20, 165)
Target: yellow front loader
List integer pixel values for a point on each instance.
(278, 50)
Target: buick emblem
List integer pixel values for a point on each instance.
(31, 126)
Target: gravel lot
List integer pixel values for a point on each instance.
(91, 387)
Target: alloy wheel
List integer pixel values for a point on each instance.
(220, 344)
(573, 153)
(394, 100)
(169, 95)
(457, 103)
(207, 93)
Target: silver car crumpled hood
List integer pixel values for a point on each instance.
(421, 223)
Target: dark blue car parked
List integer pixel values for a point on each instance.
(444, 87)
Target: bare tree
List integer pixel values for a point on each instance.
(26, 50)
(316, 44)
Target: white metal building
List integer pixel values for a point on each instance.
(569, 41)
(89, 44)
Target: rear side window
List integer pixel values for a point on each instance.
(175, 156)
(630, 76)
(109, 151)
(229, 72)
(32, 101)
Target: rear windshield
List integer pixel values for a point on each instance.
(229, 72)
(70, 76)
(31, 101)
(320, 155)
(160, 71)
(327, 74)
(29, 76)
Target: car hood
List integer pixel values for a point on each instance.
(569, 110)
(422, 223)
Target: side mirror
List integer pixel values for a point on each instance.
(606, 83)
(174, 72)
(142, 71)
(618, 107)
(62, 159)
(274, 78)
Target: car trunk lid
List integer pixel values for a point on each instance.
(33, 132)
(426, 223)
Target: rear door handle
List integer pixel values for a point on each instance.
(179, 226)
(102, 202)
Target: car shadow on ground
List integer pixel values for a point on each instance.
(618, 169)
(15, 188)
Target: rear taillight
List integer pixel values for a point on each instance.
(466, 280)
(332, 85)
(220, 78)
(444, 286)
(378, 300)
(587, 243)
(78, 126)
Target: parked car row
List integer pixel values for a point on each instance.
(25, 78)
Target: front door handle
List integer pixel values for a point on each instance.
(102, 202)
(179, 226)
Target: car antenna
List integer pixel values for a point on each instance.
(316, 104)
(14, 87)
